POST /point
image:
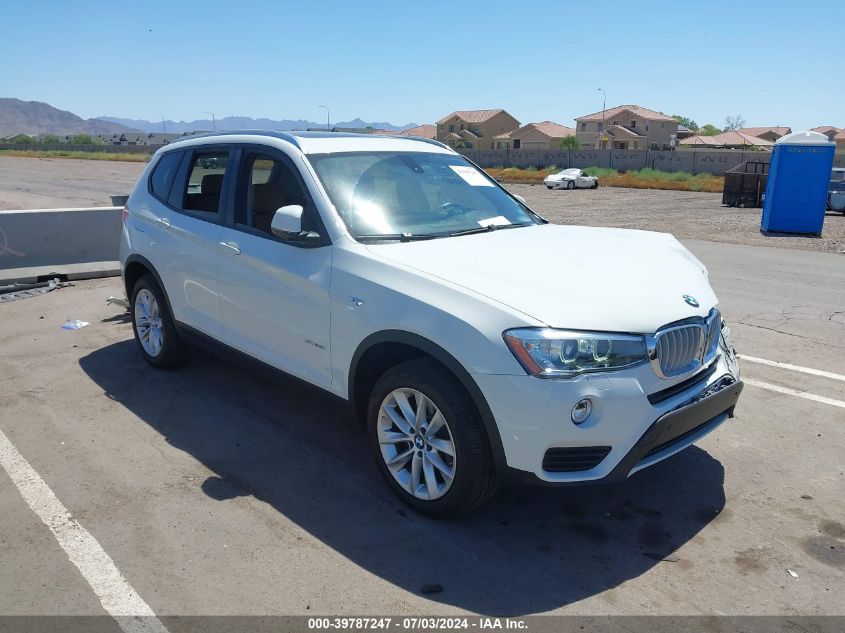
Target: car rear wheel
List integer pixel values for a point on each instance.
(429, 441)
(570, 184)
(155, 331)
(595, 184)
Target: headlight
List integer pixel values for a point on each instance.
(548, 353)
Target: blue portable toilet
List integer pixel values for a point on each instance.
(799, 174)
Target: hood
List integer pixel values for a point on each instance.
(577, 277)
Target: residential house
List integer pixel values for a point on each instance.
(543, 135)
(626, 127)
(769, 133)
(727, 140)
(840, 141)
(828, 130)
(474, 129)
(426, 130)
(684, 132)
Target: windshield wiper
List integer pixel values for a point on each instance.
(487, 229)
(400, 237)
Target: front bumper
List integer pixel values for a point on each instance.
(634, 421)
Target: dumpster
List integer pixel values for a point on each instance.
(745, 184)
(799, 175)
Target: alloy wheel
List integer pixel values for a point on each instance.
(148, 322)
(416, 443)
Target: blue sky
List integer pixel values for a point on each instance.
(775, 63)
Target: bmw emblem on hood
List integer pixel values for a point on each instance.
(691, 301)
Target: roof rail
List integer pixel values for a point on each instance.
(290, 138)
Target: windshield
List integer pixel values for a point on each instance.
(570, 172)
(415, 194)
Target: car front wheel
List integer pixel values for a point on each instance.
(570, 184)
(428, 440)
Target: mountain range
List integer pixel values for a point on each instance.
(246, 123)
(36, 117)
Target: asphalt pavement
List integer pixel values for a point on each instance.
(217, 488)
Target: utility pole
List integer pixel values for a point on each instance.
(328, 118)
(603, 109)
(213, 121)
(163, 125)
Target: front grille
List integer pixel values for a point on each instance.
(572, 459)
(683, 348)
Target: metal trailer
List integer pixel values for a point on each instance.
(745, 184)
(836, 190)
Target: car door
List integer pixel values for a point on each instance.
(274, 293)
(186, 228)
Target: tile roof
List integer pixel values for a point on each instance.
(472, 116)
(613, 130)
(733, 137)
(757, 131)
(550, 128)
(636, 110)
(840, 136)
(825, 129)
(426, 130)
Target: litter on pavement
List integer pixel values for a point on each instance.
(76, 324)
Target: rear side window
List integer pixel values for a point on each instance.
(205, 181)
(162, 177)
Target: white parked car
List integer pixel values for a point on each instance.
(474, 340)
(571, 179)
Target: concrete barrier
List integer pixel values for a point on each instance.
(74, 243)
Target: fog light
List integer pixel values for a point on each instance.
(582, 410)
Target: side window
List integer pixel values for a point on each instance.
(205, 182)
(163, 173)
(268, 184)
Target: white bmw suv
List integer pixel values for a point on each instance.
(472, 338)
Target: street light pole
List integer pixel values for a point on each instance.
(603, 109)
(163, 125)
(328, 118)
(213, 121)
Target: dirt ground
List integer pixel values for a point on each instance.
(686, 214)
(31, 183)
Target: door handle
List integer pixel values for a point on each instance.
(163, 222)
(232, 246)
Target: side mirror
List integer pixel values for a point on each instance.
(287, 221)
(287, 224)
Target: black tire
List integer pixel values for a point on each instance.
(570, 184)
(548, 187)
(596, 184)
(475, 477)
(172, 348)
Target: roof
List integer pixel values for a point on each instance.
(733, 137)
(613, 130)
(757, 131)
(472, 116)
(322, 142)
(426, 130)
(824, 129)
(643, 113)
(549, 128)
(840, 136)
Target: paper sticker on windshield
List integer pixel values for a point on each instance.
(499, 220)
(471, 176)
